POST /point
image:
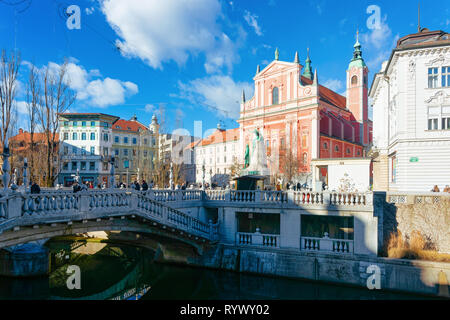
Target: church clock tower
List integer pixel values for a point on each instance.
(357, 93)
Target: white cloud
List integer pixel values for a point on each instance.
(21, 107)
(91, 88)
(378, 44)
(220, 93)
(158, 31)
(150, 108)
(334, 84)
(252, 21)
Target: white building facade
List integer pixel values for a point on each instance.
(215, 156)
(85, 147)
(411, 113)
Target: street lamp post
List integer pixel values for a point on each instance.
(171, 176)
(203, 176)
(6, 167)
(112, 172)
(25, 174)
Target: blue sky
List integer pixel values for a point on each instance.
(192, 58)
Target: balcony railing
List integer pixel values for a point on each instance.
(326, 245)
(258, 239)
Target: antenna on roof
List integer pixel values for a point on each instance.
(418, 16)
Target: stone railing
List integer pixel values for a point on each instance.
(258, 239)
(21, 209)
(415, 197)
(326, 244)
(174, 217)
(278, 198)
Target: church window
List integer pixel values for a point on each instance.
(305, 159)
(336, 148)
(432, 77)
(348, 150)
(304, 140)
(275, 98)
(325, 146)
(354, 80)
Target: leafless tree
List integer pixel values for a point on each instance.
(57, 97)
(236, 168)
(9, 70)
(33, 101)
(289, 164)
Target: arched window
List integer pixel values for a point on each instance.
(354, 80)
(305, 159)
(275, 95)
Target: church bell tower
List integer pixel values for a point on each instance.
(357, 93)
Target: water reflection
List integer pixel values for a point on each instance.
(120, 272)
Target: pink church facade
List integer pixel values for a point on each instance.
(294, 113)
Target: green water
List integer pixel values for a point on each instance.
(110, 271)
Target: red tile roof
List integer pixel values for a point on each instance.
(329, 95)
(219, 136)
(25, 138)
(123, 125)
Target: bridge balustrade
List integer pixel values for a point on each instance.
(21, 209)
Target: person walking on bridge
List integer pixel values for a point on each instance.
(35, 188)
(144, 186)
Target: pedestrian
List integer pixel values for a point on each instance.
(35, 188)
(76, 187)
(278, 187)
(137, 186)
(435, 189)
(447, 189)
(144, 185)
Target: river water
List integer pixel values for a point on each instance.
(121, 272)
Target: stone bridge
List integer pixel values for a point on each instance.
(28, 217)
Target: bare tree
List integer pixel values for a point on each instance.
(9, 69)
(33, 101)
(236, 168)
(178, 174)
(289, 164)
(57, 97)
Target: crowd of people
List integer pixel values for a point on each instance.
(144, 186)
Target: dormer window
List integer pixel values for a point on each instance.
(275, 95)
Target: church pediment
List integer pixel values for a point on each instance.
(275, 67)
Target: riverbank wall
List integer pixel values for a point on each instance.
(416, 277)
